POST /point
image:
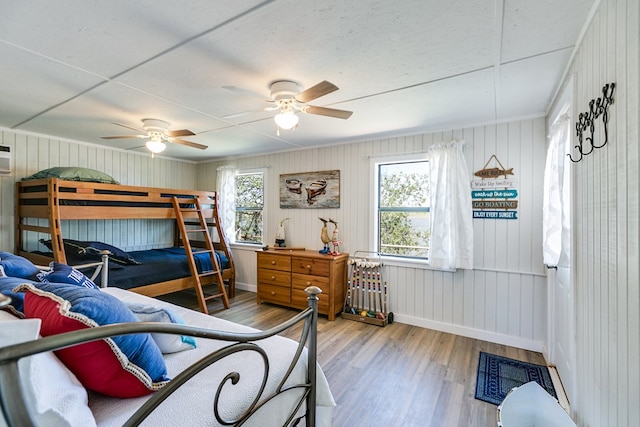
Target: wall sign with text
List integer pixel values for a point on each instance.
(493, 195)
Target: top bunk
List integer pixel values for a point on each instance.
(60, 199)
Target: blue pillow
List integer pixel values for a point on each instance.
(7, 284)
(123, 366)
(63, 273)
(78, 251)
(17, 266)
(168, 343)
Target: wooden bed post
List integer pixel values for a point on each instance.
(57, 244)
(312, 348)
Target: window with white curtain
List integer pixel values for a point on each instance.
(423, 207)
(241, 196)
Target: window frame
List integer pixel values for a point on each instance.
(252, 171)
(375, 162)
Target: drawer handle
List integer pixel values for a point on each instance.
(273, 277)
(273, 263)
(308, 267)
(272, 293)
(308, 283)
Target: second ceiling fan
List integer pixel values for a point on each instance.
(288, 99)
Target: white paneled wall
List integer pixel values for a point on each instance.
(33, 153)
(607, 255)
(502, 299)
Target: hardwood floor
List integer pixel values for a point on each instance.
(397, 375)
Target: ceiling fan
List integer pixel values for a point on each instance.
(288, 99)
(158, 132)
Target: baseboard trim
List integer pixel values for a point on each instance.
(247, 287)
(465, 331)
(557, 384)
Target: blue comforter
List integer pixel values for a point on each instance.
(159, 265)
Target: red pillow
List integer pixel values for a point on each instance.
(124, 366)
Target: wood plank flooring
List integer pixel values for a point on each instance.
(398, 375)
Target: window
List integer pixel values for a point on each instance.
(403, 209)
(249, 204)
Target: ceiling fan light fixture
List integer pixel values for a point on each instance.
(155, 146)
(286, 120)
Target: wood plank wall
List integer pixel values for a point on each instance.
(606, 252)
(502, 300)
(32, 153)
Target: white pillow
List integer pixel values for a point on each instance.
(168, 343)
(54, 394)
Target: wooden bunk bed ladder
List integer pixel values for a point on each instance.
(194, 210)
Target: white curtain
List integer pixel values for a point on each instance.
(451, 244)
(556, 200)
(226, 185)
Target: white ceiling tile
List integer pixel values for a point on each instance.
(526, 86)
(30, 84)
(557, 25)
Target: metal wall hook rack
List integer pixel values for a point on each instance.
(586, 122)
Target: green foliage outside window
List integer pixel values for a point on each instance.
(249, 206)
(403, 212)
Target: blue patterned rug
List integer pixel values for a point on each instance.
(497, 375)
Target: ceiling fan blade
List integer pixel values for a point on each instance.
(124, 136)
(188, 143)
(321, 89)
(181, 132)
(330, 112)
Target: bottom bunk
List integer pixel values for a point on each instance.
(151, 272)
(229, 374)
(158, 266)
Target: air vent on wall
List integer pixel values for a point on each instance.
(5, 159)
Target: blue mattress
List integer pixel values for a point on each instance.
(159, 265)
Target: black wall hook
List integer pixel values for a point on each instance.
(586, 121)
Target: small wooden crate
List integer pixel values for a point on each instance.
(365, 319)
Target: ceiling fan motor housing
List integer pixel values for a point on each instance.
(284, 89)
(155, 125)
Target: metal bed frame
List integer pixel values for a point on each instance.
(17, 413)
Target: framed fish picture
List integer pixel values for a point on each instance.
(310, 190)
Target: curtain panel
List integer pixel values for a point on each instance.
(556, 203)
(451, 242)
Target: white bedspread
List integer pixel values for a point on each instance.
(192, 405)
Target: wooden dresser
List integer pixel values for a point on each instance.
(283, 276)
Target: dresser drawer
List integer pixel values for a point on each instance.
(274, 262)
(317, 267)
(274, 293)
(274, 277)
(303, 281)
(299, 299)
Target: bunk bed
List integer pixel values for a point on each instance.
(42, 204)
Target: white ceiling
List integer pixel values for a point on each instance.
(73, 68)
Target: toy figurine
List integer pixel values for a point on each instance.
(324, 236)
(335, 238)
(280, 240)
